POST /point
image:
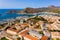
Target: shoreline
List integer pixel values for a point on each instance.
(36, 14)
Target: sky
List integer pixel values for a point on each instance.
(19, 4)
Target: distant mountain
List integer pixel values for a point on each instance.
(55, 9)
(30, 10)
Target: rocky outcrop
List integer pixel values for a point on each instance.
(29, 10)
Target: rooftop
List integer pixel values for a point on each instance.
(14, 29)
(25, 34)
(44, 38)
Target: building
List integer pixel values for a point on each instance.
(55, 34)
(44, 38)
(17, 28)
(26, 36)
(35, 34)
(13, 30)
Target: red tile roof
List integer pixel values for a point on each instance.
(24, 34)
(44, 38)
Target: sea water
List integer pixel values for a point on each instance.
(4, 15)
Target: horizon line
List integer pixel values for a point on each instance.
(29, 7)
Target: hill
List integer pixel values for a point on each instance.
(55, 9)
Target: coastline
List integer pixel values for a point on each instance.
(31, 15)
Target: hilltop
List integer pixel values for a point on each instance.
(55, 9)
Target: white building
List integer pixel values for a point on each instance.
(26, 36)
(35, 34)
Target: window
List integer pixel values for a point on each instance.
(14, 28)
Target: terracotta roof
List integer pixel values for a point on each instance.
(30, 37)
(24, 34)
(44, 38)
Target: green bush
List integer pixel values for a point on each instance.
(18, 38)
(4, 38)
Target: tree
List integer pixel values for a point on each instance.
(0, 27)
(4, 38)
(18, 38)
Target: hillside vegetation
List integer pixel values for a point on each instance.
(55, 9)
